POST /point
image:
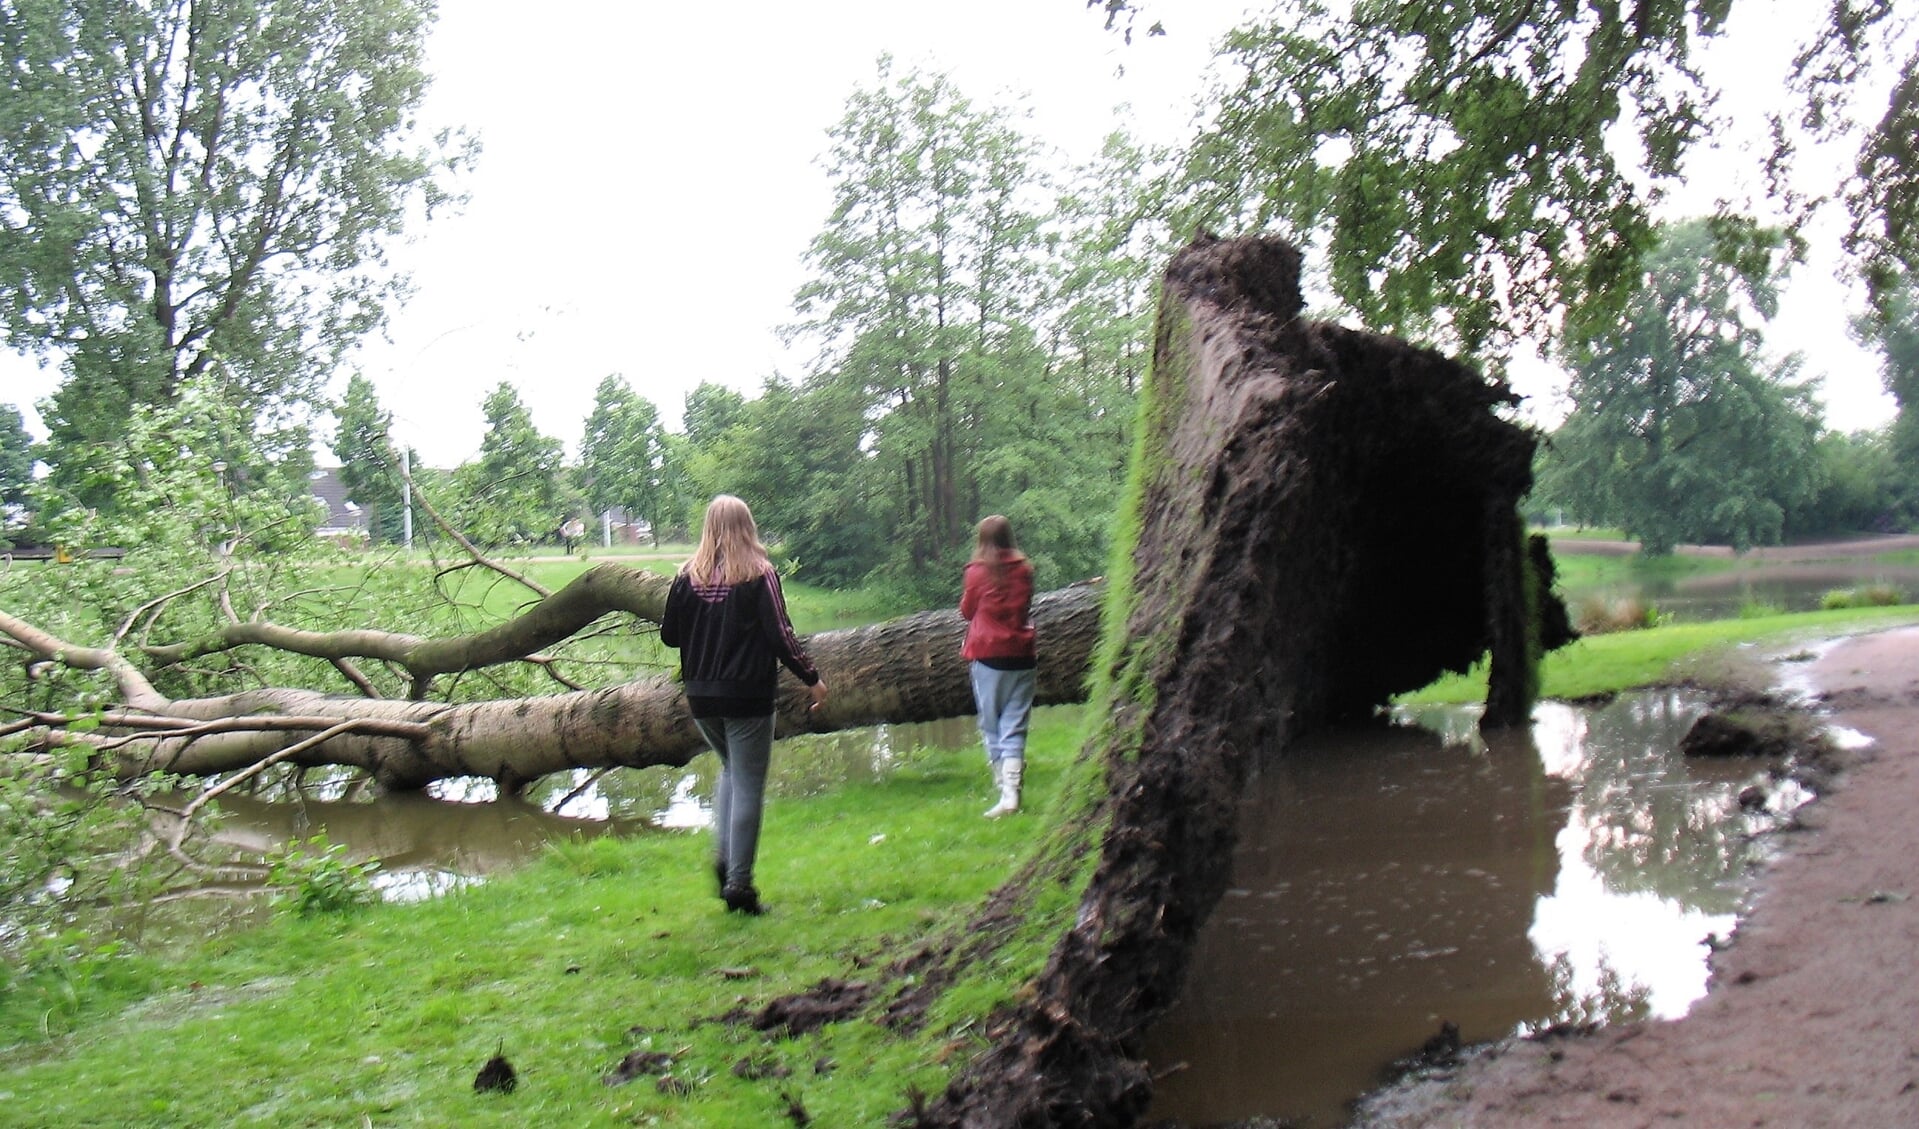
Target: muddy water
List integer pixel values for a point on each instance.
(459, 831)
(1393, 878)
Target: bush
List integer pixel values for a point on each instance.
(1869, 596)
(1602, 615)
(316, 877)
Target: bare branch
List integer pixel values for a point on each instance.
(160, 602)
(479, 558)
(360, 681)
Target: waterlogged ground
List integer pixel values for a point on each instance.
(1810, 1019)
(1390, 879)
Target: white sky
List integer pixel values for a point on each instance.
(650, 182)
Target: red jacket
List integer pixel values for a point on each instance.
(999, 616)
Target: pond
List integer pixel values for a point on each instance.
(1786, 586)
(1396, 877)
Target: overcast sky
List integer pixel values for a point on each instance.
(650, 181)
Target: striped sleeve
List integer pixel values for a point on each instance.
(780, 629)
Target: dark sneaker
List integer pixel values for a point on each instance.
(743, 899)
(719, 872)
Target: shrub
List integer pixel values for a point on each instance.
(315, 877)
(1602, 615)
(1869, 596)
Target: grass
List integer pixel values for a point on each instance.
(1599, 664)
(383, 1015)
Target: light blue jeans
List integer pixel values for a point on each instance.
(1004, 702)
(745, 746)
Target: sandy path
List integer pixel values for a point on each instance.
(1813, 1018)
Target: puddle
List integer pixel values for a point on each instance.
(458, 831)
(1393, 877)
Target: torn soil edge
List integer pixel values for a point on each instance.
(1325, 518)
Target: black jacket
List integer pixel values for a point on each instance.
(732, 640)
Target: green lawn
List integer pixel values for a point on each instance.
(1622, 660)
(383, 1015)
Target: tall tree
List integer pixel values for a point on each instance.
(1680, 431)
(623, 453)
(16, 459)
(1475, 169)
(924, 280)
(363, 443)
(1891, 327)
(512, 493)
(186, 180)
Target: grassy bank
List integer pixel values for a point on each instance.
(1600, 664)
(383, 1015)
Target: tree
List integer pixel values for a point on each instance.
(363, 443)
(796, 452)
(1680, 431)
(512, 494)
(16, 459)
(183, 183)
(1474, 169)
(623, 454)
(924, 280)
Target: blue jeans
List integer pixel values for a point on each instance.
(1004, 702)
(745, 746)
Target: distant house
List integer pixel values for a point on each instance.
(343, 518)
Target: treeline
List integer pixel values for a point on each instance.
(977, 320)
(979, 326)
(1685, 428)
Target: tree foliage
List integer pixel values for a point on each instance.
(363, 442)
(982, 333)
(16, 459)
(1680, 429)
(514, 493)
(190, 183)
(1478, 170)
(623, 454)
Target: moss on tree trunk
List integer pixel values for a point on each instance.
(1320, 518)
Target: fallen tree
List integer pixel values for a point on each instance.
(1320, 518)
(904, 670)
(1323, 518)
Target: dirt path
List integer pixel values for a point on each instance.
(1813, 1017)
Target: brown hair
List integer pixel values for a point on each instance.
(996, 548)
(730, 551)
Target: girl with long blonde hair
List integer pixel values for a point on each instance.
(727, 616)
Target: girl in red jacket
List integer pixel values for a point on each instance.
(997, 601)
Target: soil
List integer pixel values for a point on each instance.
(1813, 1015)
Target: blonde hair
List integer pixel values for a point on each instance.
(730, 551)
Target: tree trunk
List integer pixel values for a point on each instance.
(1322, 519)
(904, 670)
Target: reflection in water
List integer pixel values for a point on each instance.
(1788, 586)
(459, 830)
(1389, 878)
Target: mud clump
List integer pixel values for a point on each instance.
(1746, 733)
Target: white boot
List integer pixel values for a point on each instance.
(1010, 771)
